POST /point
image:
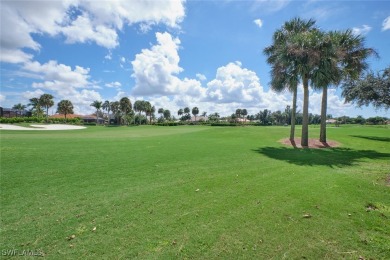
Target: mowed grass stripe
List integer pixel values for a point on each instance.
(194, 192)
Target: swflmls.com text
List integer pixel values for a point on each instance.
(23, 252)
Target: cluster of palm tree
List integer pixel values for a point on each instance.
(122, 110)
(301, 52)
(37, 104)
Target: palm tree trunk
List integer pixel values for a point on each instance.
(294, 111)
(305, 120)
(323, 114)
(96, 117)
(47, 115)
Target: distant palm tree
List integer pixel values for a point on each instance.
(187, 110)
(107, 106)
(161, 111)
(125, 107)
(139, 106)
(167, 114)
(195, 111)
(98, 105)
(244, 113)
(238, 112)
(149, 110)
(20, 108)
(180, 112)
(65, 107)
(46, 100)
(36, 107)
(115, 108)
(204, 114)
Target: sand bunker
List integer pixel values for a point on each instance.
(41, 127)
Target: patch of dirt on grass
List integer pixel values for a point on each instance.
(313, 143)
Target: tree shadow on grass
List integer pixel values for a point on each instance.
(333, 157)
(374, 138)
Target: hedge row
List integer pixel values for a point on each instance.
(15, 120)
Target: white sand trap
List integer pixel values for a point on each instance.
(41, 127)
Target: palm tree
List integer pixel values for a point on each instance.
(244, 112)
(195, 111)
(286, 68)
(36, 107)
(149, 110)
(65, 107)
(342, 57)
(125, 106)
(98, 105)
(46, 100)
(161, 111)
(187, 110)
(20, 108)
(238, 112)
(116, 111)
(107, 106)
(180, 112)
(167, 114)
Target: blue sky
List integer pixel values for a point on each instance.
(173, 53)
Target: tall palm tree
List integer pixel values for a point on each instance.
(139, 106)
(125, 106)
(107, 106)
(167, 114)
(46, 100)
(195, 111)
(285, 67)
(238, 112)
(97, 105)
(65, 107)
(20, 108)
(342, 57)
(149, 110)
(114, 106)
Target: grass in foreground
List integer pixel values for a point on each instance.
(194, 192)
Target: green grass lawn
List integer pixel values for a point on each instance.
(195, 192)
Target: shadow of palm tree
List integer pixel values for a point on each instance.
(334, 157)
(374, 138)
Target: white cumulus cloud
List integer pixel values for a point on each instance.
(363, 30)
(386, 24)
(79, 21)
(258, 22)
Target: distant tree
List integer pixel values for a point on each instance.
(238, 112)
(214, 117)
(115, 108)
(160, 111)
(107, 106)
(46, 100)
(265, 116)
(149, 110)
(167, 114)
(360, 120)
(195, 111)
(204, 113)
(65, 107)
(180, 112)
(244, 113)
(97, 105)
(370, 88)
(125, 108)
(20, 108)
(139, 106)
(187, 110)
(36, 107)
